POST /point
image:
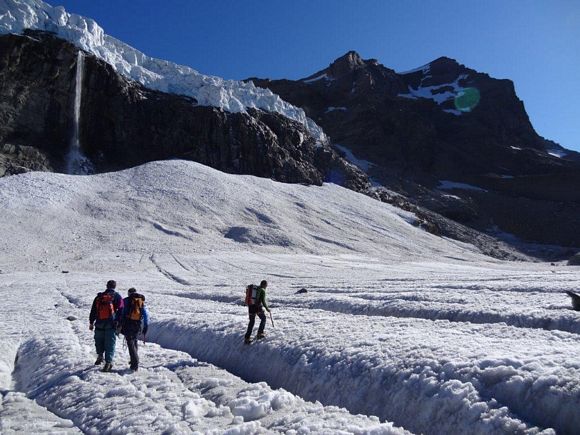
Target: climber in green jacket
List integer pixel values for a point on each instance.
(256, 299)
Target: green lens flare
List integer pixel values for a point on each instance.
(467, 99)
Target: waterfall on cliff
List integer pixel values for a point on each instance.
(76, 161)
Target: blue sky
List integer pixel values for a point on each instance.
(535, 43)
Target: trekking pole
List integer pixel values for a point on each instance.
(271, 319)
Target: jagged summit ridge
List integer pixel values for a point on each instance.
(350, 60)
(16, 16)
(344, 65)
(351, 74)
(441, 80)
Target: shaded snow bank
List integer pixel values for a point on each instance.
(527, 310)
(450, 185)
(56, 373)
(389, 373)
(20, 415)
(161, 75)
(173, 393)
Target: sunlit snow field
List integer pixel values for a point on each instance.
(398, 329)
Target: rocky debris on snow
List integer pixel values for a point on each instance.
(575, 300)
(301, 291)
(439, 225)
(71, 318)
(574, 260)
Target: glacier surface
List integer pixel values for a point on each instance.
(398, 329)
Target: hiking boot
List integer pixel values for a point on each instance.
(134, 367)
(247, 340)
(108, 366)
(99, 360)
(260, 335)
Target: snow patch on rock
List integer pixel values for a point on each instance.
(317, 78)
(450, 185)
(438, 93)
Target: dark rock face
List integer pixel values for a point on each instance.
(36, 94)
(16, 159)
(445, 121)
(371, 109)
(123, 124)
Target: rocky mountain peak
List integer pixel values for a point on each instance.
(436, 71)
(346, 64)
(445, 61)
(445, 66)
(351, 59)
(351, 75)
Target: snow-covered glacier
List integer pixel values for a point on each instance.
(398, 328)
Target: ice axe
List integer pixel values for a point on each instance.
(271, 319)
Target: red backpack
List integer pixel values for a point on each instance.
(251, 295)
(105, 308)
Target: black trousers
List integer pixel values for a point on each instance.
(133, 348)
(252, 311)
(131, 330)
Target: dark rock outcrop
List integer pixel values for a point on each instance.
(445, 121)
(440, 225)
(16, 159)
(575, 300)
(574, 260)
